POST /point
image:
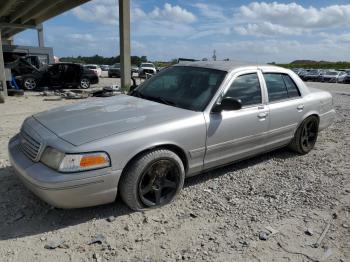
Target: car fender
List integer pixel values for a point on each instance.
(171, 145)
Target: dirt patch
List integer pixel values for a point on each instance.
(273, 207)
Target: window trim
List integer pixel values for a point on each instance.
(285, 99)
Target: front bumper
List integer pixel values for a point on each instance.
(61, 190)
(330, 79)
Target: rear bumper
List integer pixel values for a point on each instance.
(64, 190)
(326, 119)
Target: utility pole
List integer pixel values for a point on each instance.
(214, 55)
(3, 92)
(124, 34)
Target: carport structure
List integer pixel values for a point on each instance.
(19, 15)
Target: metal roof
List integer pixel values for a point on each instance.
(18, 15)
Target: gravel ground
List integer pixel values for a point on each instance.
(219, 216)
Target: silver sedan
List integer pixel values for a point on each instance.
(185, 120)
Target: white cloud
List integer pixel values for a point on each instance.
(103, 11)
(168, 13)
(268, 29)
(259, 31)
(107, 12)
(211, 11)
(335, 38)
(295, 15)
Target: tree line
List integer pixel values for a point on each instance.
(317, 65)
(100, 60)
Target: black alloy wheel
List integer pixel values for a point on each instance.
(306, 136)
(152, 179)
(309, 134)
(159, 183)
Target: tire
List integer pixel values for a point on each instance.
(29, 83)
(306, 136)
(156, 173)
(84, 83)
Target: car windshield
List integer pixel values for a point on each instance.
(115, 66)
(313, 72)
(91, 67)
(332, 73)
(147, 65)
(182, 86)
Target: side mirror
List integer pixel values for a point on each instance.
(228, 104)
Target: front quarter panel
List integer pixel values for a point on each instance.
(188, 134)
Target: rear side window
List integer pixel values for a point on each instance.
(247, 89)
(280, 87)
(292, 88)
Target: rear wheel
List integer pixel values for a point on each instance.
(152, 180)
(29, 83)
(84, 83)
(306, 136)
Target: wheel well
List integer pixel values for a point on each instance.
(176, 149)
(314, 114)
(318, 117)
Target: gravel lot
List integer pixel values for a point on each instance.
(219, 216)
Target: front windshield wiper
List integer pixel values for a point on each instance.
(157, 99)
(153, 98)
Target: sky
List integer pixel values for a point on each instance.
(268, 31)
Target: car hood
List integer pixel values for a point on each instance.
(147, 67)
(94, 119)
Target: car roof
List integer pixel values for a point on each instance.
(219, 65)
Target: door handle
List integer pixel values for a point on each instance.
(300, 107)
(262, 115)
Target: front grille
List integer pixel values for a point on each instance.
(30, 146)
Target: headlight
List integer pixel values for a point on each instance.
(74, 162)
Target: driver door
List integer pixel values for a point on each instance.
(233, 135)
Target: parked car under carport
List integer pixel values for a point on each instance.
(62, 75)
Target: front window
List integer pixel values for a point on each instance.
(147, 65)
(182, 86)
(247, 89)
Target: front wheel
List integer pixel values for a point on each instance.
(84, 83)
(152, 180)
(306, 136)
(29, 83)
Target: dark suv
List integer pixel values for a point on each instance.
(114, 70)
(61, 75)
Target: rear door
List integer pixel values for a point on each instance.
(71, 75)
(56, 73)
(286, 108)
(233, 135)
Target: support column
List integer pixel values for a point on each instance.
(40, 30)
(3, 93)
(124, 35)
